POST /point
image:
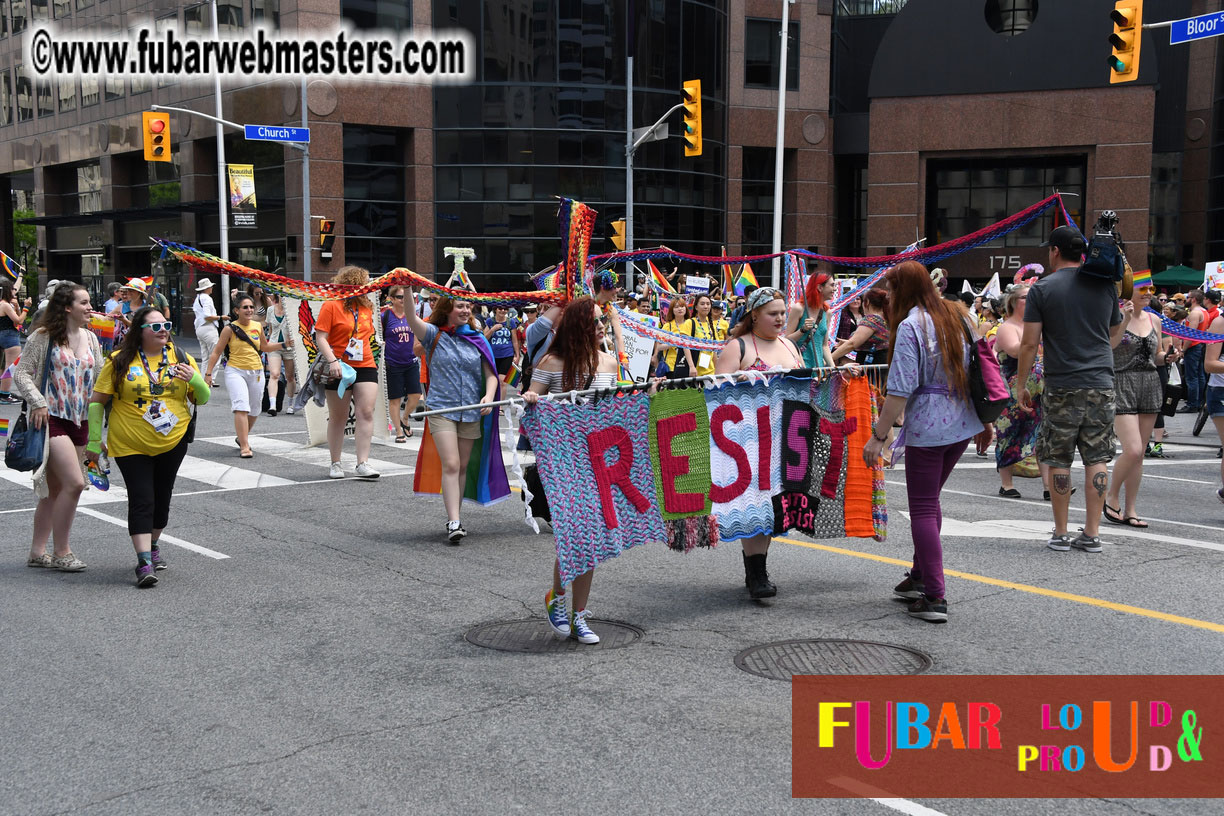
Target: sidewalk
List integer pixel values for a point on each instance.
(1179, 427)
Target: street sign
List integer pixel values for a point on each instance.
(276, 133)
(1196, 28)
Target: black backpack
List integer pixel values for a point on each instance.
(1104, 259)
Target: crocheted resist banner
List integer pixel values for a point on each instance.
(691, 467)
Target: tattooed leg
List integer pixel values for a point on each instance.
(1062, 483)
(1060, 497)
(1100, 483)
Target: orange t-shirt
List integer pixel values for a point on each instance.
(342, 324)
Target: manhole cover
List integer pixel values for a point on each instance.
(537, 637)
(779, 661)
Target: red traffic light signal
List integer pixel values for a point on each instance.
(156, 136)
(327, 239)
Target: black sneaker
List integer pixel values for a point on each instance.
(931, 611)
(454, 532)
(909, 589)
(271, 412)
(145, 576)
(158, 563)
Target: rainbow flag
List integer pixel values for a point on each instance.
(658, 278)
(728, 277)
(4, 425)
(1142, 278)
(11, 268)
(148, 280)
(745, 279)
(514, 377)
(102, 325)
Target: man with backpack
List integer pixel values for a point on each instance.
(1074, 315)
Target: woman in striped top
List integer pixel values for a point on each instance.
(574, 362)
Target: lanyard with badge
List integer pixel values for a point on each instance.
(356, 349)
(158, 414)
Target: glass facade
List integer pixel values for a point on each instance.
(763, 53)
(546, 118)
(964, 196)
(1164, 212)
(374, 218)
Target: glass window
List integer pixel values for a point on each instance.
(90, 93)
(374, 217)
(197, 20)
(39, 10)
(266, 11)
(4, 15)
(25, 96)
(856, 8)
(63, 9)
(89, 187)
(763, 51)
(46, 98)
(114, 87)
(83, 4)
(67, 94)
(20, 16)
(395, 15)
(6, 98)
(966, 196)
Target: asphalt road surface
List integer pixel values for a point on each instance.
(305, 652)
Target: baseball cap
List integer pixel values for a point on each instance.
(1066, 239)
(347, 377)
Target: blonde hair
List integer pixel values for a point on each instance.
(353, 276)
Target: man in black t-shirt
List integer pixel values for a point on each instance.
(1076, 319)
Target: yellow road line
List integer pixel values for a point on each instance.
(1034, 590)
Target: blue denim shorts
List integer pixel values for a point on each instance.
(9, 338)
(1215, 400)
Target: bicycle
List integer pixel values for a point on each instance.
(1200, 421)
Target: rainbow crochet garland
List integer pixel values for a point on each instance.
(690, 467)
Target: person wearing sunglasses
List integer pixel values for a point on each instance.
(243, 341)
(150, 386)
(403, 367)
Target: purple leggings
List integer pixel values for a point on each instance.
(926, 470)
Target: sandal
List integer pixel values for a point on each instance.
(1135, 521)
(407, 430)
(246, 454)
(1116, 517)
(401, 439)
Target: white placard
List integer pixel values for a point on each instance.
(1213, 278)
(697, 285)
(638, 349)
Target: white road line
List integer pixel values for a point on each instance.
(226, 476)
(1035, 503)
(230, 439)
(89, 497)
(908, 807)
(1033, 530)
(295, 452)
(166, 539)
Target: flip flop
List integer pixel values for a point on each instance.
(1135, 521)
(401, 439)
(1116, 518)
(247, 455)
(407, 430)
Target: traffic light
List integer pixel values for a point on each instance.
(326, 237)
(692, 117)
(618, 234)
(1127, 36)
(156, 136)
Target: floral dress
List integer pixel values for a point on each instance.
(1016, 429)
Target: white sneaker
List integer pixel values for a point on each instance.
(336, 472)
(364, 471)
(289, 410)
(580, 629)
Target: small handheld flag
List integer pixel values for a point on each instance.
(1143, 278)
(745, 279)
(514, 377)
(11, 268)
(4, 426)
(658, 278)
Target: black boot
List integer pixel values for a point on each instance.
(757, 578)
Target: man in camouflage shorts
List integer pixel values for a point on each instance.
(1076, 320)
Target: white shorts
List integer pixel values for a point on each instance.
(245, 389)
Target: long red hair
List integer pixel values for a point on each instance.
(574, 343)
(811, 294)
(911, 286)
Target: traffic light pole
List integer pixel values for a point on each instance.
(222, 187)
(649, 134)
(780, 144)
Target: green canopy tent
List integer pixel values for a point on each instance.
(1179, 276)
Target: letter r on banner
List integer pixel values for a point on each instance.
(598, 444)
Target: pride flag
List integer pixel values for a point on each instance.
(4, 425)
(1142, 278)
(102, 325)
(745, 279)
(148, 280)
(514, 377)
(11, 267)
(658, 278)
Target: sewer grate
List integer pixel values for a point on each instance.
(782, 660)
(537, 637)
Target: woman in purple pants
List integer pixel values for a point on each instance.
(928, 359)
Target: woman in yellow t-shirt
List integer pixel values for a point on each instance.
(679, 361)
(150, 385)
(704, 328)
(244, 372)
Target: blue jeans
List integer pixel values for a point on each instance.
(1196, 377)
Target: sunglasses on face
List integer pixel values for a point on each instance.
(159, 327)
(247, 306)
(397, 297)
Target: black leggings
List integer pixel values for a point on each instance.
(1163, 371)
(150, 484)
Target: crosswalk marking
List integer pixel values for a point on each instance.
(227, 476)
(91, 496)
(317, 456)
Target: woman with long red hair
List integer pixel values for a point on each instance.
(927, 378)
(574, 362)
(807, 325)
